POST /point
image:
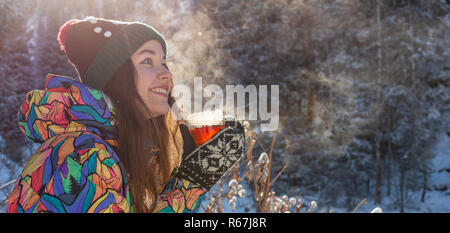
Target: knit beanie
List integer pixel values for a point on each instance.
(98, 47)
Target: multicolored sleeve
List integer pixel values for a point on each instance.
(180, 196)
(107, 190)
(86, 182)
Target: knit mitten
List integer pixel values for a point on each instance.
(212, 160)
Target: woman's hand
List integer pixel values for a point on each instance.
(207, 163)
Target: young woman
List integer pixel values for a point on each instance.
(109, 142)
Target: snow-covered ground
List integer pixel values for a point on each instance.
(439, 201)
(435, 202)
(8, 172)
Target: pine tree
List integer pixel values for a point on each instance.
(14, 76)
(75, 187)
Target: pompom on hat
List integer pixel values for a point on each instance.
(98, 47)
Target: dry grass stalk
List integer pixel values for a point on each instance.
(258, 174)
(279, 173)
(311, 206)
(267, 186)
(363, 201)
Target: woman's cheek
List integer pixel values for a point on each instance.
(148, 72)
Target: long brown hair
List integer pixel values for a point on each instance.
(134, 134)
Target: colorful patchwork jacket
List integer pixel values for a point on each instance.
(76, 168)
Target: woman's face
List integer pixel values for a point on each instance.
(153, 78)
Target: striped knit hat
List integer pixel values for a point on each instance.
(98, 47)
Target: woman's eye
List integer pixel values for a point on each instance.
(147, 61)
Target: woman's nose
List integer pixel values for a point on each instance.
(165, 74)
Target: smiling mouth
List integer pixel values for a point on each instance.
(160, 91)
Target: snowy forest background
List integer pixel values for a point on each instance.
(364, 86)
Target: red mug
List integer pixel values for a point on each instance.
(204, 133)
(204, 125)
